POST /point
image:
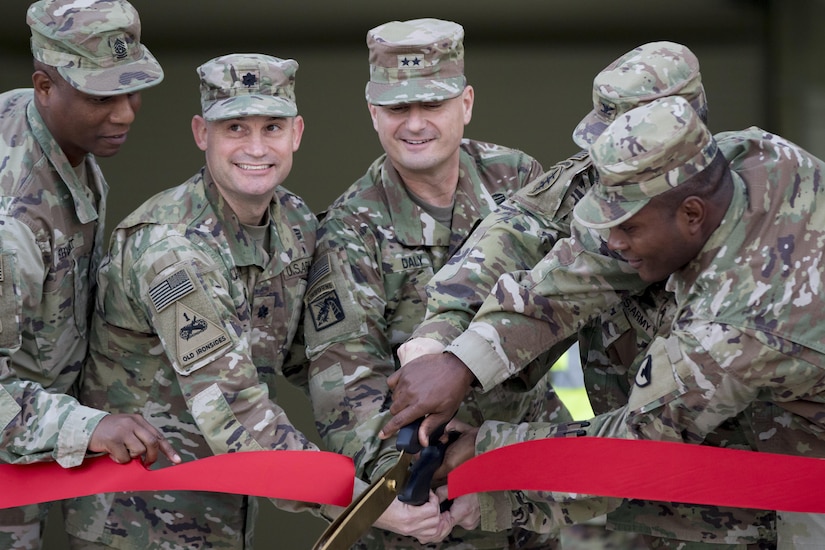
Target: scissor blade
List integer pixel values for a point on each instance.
(359, 516)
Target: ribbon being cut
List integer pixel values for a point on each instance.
(307, 476)
(649, 470)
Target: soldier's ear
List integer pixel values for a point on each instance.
(199, 131)
(693, 212)
(42, 84)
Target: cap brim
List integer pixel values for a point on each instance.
(588, 130)
(122, 79)
(595, 212)
(249, 105)
(415, 90)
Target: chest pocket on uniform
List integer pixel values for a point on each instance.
(64, 314)
(404, 283)
(275, 312)
(10, 306)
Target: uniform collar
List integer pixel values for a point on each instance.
(414, 227)
(85, 208)
(242, 247)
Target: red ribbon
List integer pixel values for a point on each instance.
(307, 476)
(648, 470)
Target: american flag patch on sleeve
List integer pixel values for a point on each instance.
(173, 288)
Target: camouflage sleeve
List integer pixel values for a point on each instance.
(688, 385)
(515, 237)
(37, 425)
(350, 353)
(510, 239)
(527, 312)
(225, 396)
(539, 512)
(705, 373)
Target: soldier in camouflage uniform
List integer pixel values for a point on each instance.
(732, 224)
(89, 70)
(523, 230)
(199, 306)
(382, 239)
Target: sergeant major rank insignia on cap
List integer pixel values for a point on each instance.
(120, 48)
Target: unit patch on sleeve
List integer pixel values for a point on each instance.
(326, 309)
(197, 337)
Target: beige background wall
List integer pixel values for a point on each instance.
(531, 62)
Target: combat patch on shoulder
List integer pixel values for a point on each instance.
(187, 321)
(171, 289)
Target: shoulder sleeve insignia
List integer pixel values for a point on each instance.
(197, 336)
(643, 375)
(326, 309)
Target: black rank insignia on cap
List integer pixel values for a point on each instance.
(120, 50)
(249, 80)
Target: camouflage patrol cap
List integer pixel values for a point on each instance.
(94, 45)
(651, 71)
(416, 60)
(239, 85)
(644, 153)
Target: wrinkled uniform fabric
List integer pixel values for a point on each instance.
(745, 339)
(194, 320)
(376, 250)
(516, 237)
(50, 246)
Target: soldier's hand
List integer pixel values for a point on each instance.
(128, 436)
(424, 522)
(459, 451)
(465, 511)
(431, 385)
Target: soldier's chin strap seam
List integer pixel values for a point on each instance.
(648, 470)
(308, 476)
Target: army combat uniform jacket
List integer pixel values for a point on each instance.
(194, 320)
(376, 250)
(746, 336)
(516, 237)
(51, 227)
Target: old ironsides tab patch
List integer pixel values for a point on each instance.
(197, 336)
(173, 288)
